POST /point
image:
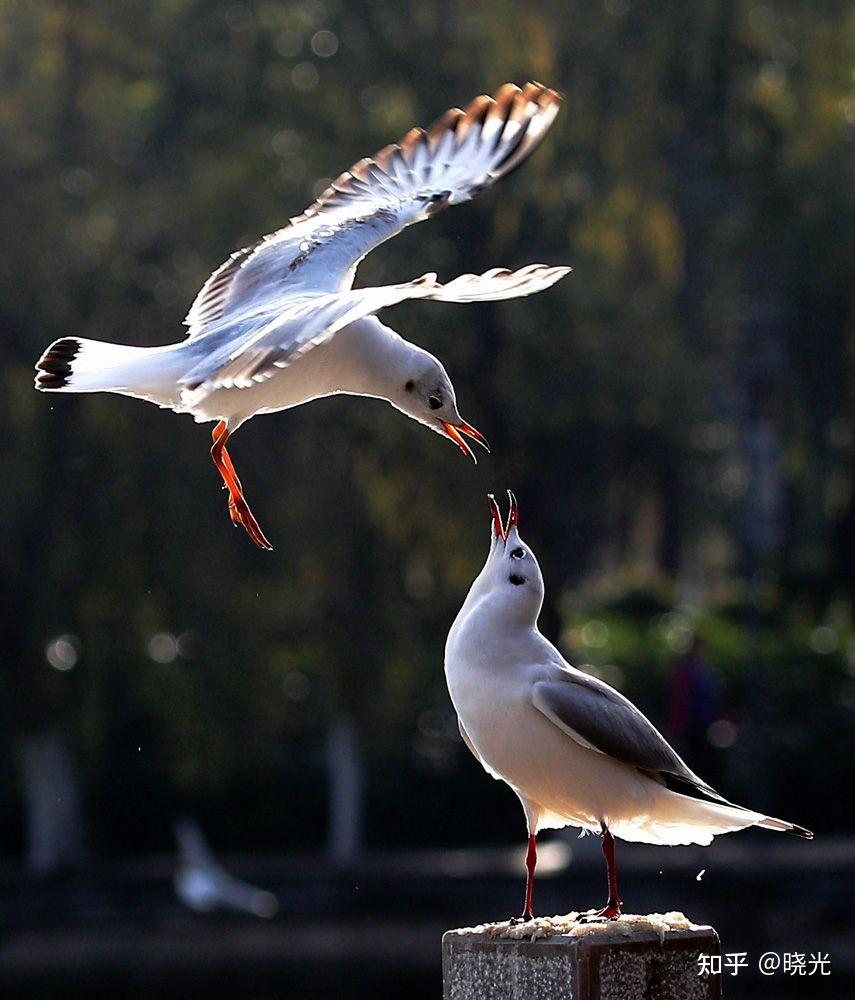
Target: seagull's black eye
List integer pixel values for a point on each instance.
(518, 554)
(409, 385)
(516, 579)
(434, 402)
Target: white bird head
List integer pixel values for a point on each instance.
(511, 580)
(422, 390)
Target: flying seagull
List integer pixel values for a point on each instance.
(576, 752)
(279, 323)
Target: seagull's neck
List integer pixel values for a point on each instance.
(372, 359)
(488, 626)
(505, 611)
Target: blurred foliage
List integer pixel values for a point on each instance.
(780, 684)
(676, 417)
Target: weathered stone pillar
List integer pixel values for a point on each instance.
(635, 958)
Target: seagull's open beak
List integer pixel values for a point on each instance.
(498, 527)
(513, 515)
(502, 531)
(456, 432)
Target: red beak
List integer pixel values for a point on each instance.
(502, 531)
(456, 432)
(497, 517)
(513, 514)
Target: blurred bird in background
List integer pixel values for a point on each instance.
(204, 886)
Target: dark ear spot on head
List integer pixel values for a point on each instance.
(516, 579)
(409, 385)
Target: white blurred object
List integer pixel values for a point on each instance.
(56, 838)
(345, 769)
(204, 885)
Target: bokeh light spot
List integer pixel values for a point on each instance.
(823, 640)
(722, 734)
(62, 653)
(305, 76)
(296, 686)
(324, 43)
(162, 647)
(595, 634)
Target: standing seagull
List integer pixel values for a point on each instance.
(279, 323)
(576, 752)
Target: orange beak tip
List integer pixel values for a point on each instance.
(454, 432)
(474, 433)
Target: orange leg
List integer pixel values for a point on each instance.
(226, 459)
(238, 507)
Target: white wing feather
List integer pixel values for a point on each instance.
(310, 320)
(463, 153)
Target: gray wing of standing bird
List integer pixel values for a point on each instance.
(600, 718)
(279, 323)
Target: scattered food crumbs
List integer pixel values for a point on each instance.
(570, 925)
(700, 875)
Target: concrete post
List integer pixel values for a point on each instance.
(634, 958)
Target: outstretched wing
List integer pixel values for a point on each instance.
(597, 717)
(308, 321)
(459, 156)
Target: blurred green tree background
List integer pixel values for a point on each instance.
(676, 417)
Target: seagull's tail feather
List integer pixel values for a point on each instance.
(683, 819)
(75, 364)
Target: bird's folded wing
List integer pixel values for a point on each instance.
(311, 320)
(459, 156)
(597, 717)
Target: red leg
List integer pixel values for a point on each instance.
(219, 430)
(611, 911)
(228, 464)
(238, 507)
(530, 863)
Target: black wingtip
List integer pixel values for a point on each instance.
(801, 831)
(54, 367)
